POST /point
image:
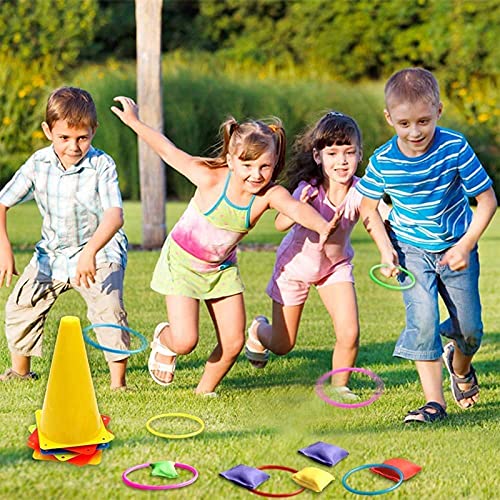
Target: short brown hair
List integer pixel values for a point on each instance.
(73, 105)
(412, 84)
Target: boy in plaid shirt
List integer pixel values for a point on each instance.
(83, 247)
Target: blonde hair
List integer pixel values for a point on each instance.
(412, 85)
(249, 140)
(73, 105)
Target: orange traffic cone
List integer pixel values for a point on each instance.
(70, 416)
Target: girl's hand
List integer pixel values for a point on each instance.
(330, 228)
(130, 112)
(456, 258)
(306, 195)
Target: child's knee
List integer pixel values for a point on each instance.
(283, 348)
(236, 346)
(347, 339)
(182, 343)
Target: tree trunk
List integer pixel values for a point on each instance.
(149, 98)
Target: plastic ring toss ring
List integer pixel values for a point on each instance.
(371, 493)
(176, 436)
(388, 285)
(140, 486)
(321, 392)
(144, 342)
(277, 495)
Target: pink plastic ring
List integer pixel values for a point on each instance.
(378, 391)
(140, 486)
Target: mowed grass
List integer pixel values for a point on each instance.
(260, 417)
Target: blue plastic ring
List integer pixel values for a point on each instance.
(371, 493)
(144, 341)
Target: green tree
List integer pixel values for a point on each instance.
(39, 41)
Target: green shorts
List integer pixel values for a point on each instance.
(174, 274)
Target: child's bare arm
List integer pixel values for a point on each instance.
(302, 213)
(282, 222)
(111, 222)
(178, 159)
(376, 229)
(7, 261)
(457, 257)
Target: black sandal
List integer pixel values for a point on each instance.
(458, 393)
(431, 412)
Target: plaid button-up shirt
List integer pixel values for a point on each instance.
(72, 203)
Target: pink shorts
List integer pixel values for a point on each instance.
(286, 290)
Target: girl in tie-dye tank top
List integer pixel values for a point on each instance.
(198, 260)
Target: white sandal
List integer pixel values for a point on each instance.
(158, 348)
(344, 393)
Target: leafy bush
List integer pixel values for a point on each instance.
(39, 39)
(47, 29)
(197, 101)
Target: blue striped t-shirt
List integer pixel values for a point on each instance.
(429, 193)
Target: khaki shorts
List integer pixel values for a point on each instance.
(35, 293)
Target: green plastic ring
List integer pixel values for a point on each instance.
(388, 285)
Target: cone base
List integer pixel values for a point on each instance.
(103, 436)
(80, 460)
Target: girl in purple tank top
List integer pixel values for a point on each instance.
(198, 259)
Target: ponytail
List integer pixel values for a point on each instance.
(250, 138)
(280, 143)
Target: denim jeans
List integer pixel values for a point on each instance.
(420, 340)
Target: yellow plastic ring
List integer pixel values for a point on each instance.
(176, 436)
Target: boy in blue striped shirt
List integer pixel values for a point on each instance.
(83, 246)
(429, 172)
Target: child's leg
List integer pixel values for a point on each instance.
(460, 293)
(104, 301)
(228, 316)
(431, 377)
(25, 313)
(341, 304)
(181, 334)
(420, 341)
(280, 336)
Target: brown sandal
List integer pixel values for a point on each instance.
(10, 374)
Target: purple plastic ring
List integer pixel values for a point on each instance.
(378, 390)
(140, 486)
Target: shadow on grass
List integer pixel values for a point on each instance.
(307, 365)
(15, 456)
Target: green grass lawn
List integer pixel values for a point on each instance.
(260, 417)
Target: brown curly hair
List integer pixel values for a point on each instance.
(333, 128)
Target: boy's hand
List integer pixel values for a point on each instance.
(7, 265)
(456, 258)
(330, 228)
(85, 269)
(390, 270)
(130, 110)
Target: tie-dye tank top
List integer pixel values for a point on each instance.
(212, 237)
